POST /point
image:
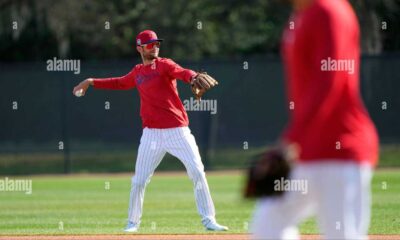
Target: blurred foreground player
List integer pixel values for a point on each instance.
(335, 139)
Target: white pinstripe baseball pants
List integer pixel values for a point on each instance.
(338, 195)
(179, 142)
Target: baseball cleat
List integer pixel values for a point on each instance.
(214, 226)
(131, 227)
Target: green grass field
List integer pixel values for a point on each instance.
(100, 158)
(81, 204)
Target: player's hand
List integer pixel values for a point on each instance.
(82, 87)
(266, 168)
(201, 83)
(291, 151)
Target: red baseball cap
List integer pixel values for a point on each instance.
(147, 36)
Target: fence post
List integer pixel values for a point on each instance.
(64, 125)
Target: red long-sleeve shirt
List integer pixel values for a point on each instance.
(160, 105)
(328, 119)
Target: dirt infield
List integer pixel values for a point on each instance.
(169, 237)
(139, 237)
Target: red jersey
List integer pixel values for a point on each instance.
(328, 119)
(160, 105)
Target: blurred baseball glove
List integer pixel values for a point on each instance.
(268, 167)
(201, 83)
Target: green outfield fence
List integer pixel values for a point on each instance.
(45, 129)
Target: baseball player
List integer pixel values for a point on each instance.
(165, 124)
(329, 128)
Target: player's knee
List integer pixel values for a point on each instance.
(140, 182)
(196, 173)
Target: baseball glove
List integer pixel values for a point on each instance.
(201, 83)
(265, 170)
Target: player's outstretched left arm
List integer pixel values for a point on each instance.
(200, 82)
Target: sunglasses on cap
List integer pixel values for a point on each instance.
(151, 45)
